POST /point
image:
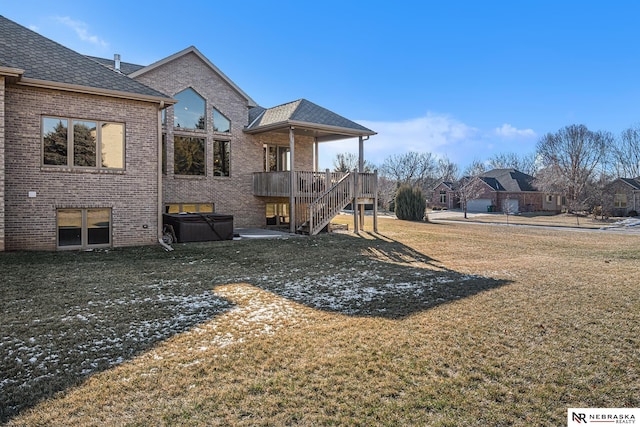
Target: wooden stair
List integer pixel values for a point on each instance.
(329, 204)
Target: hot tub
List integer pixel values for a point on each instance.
(196, 227)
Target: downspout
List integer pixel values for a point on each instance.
(160, 209)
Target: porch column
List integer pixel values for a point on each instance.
(316, 161)
(292, 175)
(360, 154)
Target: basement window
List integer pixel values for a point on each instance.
(277, 214)
(84, 228)
(188, 207)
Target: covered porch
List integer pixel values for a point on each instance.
(314, 197)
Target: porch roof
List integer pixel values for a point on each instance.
(306, 118)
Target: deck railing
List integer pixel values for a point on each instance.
(278, 184)
(329, 204)
(319, 196)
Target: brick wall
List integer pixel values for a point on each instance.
(528, 201)
(2, 172)
(620, 187)
(234, 194)
(30, 222)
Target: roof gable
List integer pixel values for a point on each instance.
(46, 62)
(304, 113)
(446, 184)
(193, 50)
(632, 182)
(510, 180)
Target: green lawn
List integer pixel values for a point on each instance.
(424, 324)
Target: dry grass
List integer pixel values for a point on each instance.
(425, 324)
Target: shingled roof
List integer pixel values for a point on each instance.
(632, 182)
(305, 114)
(48, 63)
(125, 67)
(510, 180)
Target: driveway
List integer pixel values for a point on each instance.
(626, 225)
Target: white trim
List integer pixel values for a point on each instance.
(93, 91)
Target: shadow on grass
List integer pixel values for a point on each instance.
(66, 316)
(372, 275)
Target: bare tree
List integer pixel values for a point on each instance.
(412, 168)
(469, 188)
(524, 163)
(627, 153)
(348, 162)
(476, 168)
(386, 192)
(572, 156)
(446, 170)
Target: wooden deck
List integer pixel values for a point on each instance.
(317, 196)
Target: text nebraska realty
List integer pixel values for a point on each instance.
(604, 418)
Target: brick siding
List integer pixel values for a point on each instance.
(30, 222)
(233, 194)
(2, 167)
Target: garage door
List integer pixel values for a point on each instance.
(478, 205)
(510, 206)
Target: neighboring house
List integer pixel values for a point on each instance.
(624, 197)
(510, 191)
(93, 151)
(444, 196)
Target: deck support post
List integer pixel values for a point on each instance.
(327, 179)
(355, 204)
(315, 155)
(293, 184)
(375, 203)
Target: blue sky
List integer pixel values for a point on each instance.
(462, 79)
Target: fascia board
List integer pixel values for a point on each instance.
(94, 91)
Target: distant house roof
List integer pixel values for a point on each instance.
(324, 124)
(46, 63)
(450, 185)
(633, 182)
(510, 180)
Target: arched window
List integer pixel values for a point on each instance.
(189, 112)
(220, 122)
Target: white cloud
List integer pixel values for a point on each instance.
(82, 31)
(439, 134)
(508, 131)
(434, 133)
